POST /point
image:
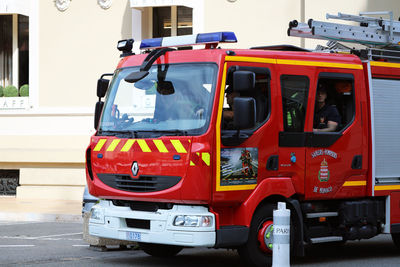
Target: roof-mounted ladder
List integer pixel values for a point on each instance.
(371, 32)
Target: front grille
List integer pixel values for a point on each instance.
(136, 223)
(142, 206)
(145, 183)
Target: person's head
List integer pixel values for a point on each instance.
(322, 94)
(230, 96)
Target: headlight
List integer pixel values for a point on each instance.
(97, 215)
(193, 221)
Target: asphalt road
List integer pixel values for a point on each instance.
(61, 244)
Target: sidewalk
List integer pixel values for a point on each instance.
(13, 209)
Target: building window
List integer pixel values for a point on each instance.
(185, 20)
(172, 21)
(14, 50)
(9, 181)
(161, 21)
(6, 51)
(23, 47)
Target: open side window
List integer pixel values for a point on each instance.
(260, 93)
(340, 97)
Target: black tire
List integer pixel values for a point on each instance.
(159, 250)
(251, 253)
(396, 239)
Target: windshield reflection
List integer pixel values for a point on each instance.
(173, 99)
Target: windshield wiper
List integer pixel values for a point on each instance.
(118, 133)
(175, 132)
(135, 133)
(146, 65)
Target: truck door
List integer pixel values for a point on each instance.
(243, 158)
(335, 161)
(295, 84)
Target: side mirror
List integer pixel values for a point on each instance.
(102, 86)
(97, 113)
(244, 112)
(244, 81)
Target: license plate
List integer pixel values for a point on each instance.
(134, 236)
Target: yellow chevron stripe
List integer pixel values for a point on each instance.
(113, 145)
(100, 144)
(192, 163)
(143, 145)
(355, 183)
(178, 146)
(206, 158)
(160, 146)
(128, 145)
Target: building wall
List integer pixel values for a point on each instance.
(255, 22)
(76, 46)
(69, 51)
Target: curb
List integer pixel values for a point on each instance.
(39, 217)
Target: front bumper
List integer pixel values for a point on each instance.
(110, 221)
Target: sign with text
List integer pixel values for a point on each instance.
(14, 102)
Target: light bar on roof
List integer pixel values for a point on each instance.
(187, 40)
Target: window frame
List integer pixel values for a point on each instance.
(305, 103)
(174, 20)
(341, 77)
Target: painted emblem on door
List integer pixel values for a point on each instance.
(323, 174)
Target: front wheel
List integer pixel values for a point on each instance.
(159, 250)
(396, 239)
(257, 250)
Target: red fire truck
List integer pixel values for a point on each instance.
(174, 169)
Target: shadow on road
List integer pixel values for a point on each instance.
(188, 257)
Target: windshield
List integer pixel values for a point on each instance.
(173, 99)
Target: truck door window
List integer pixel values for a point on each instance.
(339, 102)
(294, 101)
(260, 94)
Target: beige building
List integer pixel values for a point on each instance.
(61, 47)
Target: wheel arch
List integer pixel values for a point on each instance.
(265, 194)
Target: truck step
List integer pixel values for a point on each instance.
(321, 214)
(326, 239)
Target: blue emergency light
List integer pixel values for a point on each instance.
(187, 40)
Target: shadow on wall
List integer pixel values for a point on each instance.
(384, 5)
(126, 27)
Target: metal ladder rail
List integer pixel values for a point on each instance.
(373, 33)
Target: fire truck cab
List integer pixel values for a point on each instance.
(194, 148)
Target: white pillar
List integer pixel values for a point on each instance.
(174, 20)
(15, 49)
(281, 237)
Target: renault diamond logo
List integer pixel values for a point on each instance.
(135, 168)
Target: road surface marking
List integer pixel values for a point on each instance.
(15, 246)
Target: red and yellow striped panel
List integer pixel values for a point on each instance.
(142, 145)
(200, 158)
